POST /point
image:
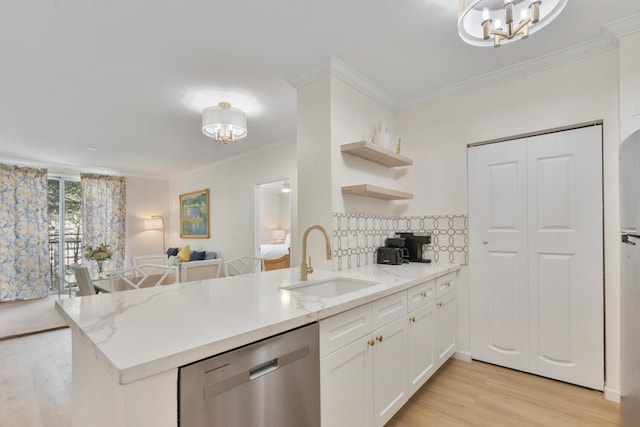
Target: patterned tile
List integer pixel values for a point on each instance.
(357, 236)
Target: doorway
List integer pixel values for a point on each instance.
(273, 220)
(536, 255)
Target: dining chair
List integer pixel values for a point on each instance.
(200, 270)
(85, 285)
(244, 265)
(155, 259)
(143, 276)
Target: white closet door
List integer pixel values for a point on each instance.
(536, 255)
(498, 253)
(566, 256)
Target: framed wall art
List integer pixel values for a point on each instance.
(194, 215)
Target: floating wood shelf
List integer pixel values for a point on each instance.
(367, 190)
(375, 153)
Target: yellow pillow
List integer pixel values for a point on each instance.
(184, 254)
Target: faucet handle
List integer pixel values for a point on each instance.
(309, 267)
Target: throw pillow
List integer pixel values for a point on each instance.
(210, 255)
(172, 252)
(184, 254)
(197, 256)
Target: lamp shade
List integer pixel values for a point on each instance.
(278, 235)
(224, 123)
(153, 224)
(472, 14)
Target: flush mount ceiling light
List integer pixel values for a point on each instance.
(224, 123)
(494, 22)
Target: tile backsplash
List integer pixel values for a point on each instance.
(357, 236)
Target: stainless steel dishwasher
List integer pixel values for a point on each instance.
(270, 383)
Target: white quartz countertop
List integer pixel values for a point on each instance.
(140, 333)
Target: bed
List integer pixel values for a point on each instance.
(276, 256)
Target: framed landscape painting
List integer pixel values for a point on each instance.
(194, 215)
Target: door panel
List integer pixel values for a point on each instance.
(566, 256)
(497, 253)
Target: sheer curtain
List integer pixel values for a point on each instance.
(24, 256)
(104, 214)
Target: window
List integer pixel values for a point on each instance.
(65, 229)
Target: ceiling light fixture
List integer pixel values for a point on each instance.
(481, 22)
(224, 123)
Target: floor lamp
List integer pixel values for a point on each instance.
(156, 223)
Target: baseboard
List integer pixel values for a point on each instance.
(612, 394)
(462, 355)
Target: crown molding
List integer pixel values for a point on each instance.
(623, 27)
(339, 69)
(608, 39)
(588, 48)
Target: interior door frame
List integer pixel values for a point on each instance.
(258, 211)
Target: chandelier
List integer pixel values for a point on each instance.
(494, 22)
(224, 123)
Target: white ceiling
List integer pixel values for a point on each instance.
(129, 78)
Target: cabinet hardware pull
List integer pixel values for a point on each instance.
(439, 304)
(379, 338)
(371, 342)
(423, 294)
(412, 318)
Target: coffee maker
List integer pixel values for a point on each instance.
(414, 243)
(393, 252)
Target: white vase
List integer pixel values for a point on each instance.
(382, 138)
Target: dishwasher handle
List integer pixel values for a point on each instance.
(263, 369)
(245, 376)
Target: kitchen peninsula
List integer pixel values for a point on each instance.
(128, 346)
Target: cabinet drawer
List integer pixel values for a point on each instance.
(446, 283)
(343, 328)
(421, 294)
(388, 309)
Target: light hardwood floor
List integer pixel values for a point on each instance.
(35, 391)
(480, 394)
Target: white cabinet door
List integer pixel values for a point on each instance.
(445, 330)
(536, 255)
(421, 345)
(389, 370)
(346, 385)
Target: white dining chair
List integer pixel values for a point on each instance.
(200, 270)
(244, 265)
(85, 285)
(155, 259)
(144, 276)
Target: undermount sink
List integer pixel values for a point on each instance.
(332, 287)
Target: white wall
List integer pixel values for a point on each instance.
(232, 192)
(353, 115)
(436, 137)
(629, 47)
(314, 170)
(145, 197)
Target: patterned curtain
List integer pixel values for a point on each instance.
(24, 256)
(104, 214)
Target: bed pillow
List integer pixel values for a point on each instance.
(184, 254)
(196, 256)
(172, 251)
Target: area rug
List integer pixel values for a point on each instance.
(19, 318)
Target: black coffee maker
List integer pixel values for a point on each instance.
(414, 242)
(393, 252)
